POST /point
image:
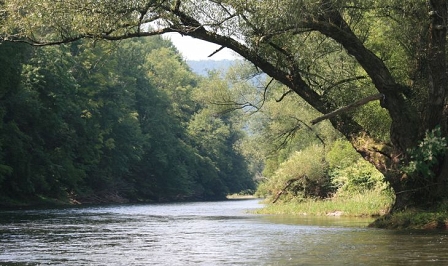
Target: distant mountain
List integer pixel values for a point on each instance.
(201, 67)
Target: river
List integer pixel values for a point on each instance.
(205, 233)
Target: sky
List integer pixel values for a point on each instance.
(194, 49)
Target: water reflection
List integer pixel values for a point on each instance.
(216, 233)
(319, 220)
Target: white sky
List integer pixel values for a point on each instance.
(194, 49)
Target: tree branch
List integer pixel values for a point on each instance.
(345, 81)
(217, 51)
(104, 36)
(348, 107)
(283, 96)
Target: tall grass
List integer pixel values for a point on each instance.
(366, 204)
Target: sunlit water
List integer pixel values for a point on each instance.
(211, 233)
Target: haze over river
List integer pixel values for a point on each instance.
(205, 233)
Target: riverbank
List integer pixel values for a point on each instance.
(32, 202)
(414, 219)
(363, 205)
(238, 196)
(38, 202)
(367, 204)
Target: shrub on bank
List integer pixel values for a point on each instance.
(350, 173)
(338, 181)
(359, 177)
(303, 175)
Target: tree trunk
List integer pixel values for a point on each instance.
(437, 86)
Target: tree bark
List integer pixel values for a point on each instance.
(437, 98)
(437, 65)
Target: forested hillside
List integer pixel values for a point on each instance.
(94, 121)
(203, 67)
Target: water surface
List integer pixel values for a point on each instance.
(205, 233)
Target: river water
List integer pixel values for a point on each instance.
(205, 233)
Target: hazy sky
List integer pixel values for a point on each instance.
(193, 49)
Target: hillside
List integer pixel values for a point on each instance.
(201, 67)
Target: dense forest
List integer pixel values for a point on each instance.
(112, 122)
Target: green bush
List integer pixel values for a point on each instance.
(349, 172)
(359, 177)
(341, 154)
(306, 171)
(426, 156)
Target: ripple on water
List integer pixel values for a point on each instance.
(217, 233)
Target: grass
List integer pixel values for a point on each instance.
(240, 196)
(367, 204)
(414, 219)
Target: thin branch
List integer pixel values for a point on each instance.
(287, 135)
(234, 105)
(311, 129)
(266, 91)
(104, 36)
(283, 96)
(345, 81)
(217, 51)
(349, 107)
(281, 50)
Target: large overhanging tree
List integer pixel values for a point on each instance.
(291, 41)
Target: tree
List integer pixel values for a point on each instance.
(190, 152)
(310, 46)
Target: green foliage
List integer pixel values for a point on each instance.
(106, 120)
(172, 76)
(374, 119)
(331, 53)
(340, 170)
(351, 174)
(307, 172)
(359, 177)
(427, 155)
(341, 154)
